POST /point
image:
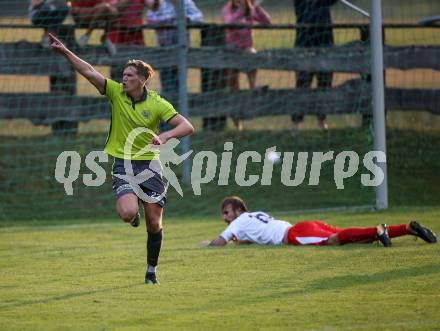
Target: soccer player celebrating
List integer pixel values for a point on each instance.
(134, 107)
(261, 228)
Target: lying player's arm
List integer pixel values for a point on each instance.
(216, 242)
(244, 242)
(81, 66)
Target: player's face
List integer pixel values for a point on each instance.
(131, 81)
(229, 214)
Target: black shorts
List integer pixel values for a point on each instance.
(153, 187)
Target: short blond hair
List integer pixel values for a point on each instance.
(142, 68)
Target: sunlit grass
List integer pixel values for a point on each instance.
(89, 276)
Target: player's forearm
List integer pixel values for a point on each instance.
(81, 66)
(218, 242)
(183, 129)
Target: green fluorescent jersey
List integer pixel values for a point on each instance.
(128, 116)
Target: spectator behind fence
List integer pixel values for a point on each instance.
(164, 12)
(126, 29)
(47, 14)
(93, 14)
(242, 12)
(313, 12)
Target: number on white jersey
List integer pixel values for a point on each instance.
(262, 217)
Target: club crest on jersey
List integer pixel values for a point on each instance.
(145, 114)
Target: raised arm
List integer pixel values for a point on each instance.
(260, 15)
(81, 66)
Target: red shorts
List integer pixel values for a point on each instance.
(310, 233)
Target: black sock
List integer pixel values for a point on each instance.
(154, 243)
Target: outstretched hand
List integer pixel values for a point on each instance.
(204, 243)
(56, 44)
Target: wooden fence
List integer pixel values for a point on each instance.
(63, 105)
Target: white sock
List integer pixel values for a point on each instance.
(151, 269)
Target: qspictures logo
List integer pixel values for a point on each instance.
(207, 166)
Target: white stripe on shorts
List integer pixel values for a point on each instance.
(310, 240)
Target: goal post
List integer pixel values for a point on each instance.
(378, 90)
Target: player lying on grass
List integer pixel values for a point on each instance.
(246, 227)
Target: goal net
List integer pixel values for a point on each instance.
(282, 111)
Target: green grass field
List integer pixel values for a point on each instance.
(68, 263)
(89, 276)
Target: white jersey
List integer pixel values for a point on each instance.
(257, 227)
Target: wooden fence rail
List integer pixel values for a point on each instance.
(63, 104)
(351, 97)
(26, 58)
